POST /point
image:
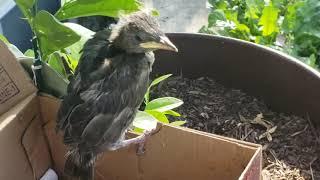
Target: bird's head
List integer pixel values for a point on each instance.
(139, 33)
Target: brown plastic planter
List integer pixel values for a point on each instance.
(284, 83)
(30, 144)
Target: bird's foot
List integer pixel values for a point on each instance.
(139, 140)
(142, 141)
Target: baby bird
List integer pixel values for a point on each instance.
(107, 89)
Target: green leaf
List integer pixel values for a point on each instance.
(72, 63)
(236, 28)
(53, 35)
(153, 83)
(26, 7)
(242, 28)
(218, 4)
(145, 121)
(80, 8)
(55, 61)
(307, 29)
(138, 130)
(80, 30)
(307, 43)
(312, 61)
(53, 83)
(289, 21)
(172, 113)
(178, 123)
(308, 17)
(158, 115)
(29, 53)
(164, 104)
(73, 51)
(254, 8)
(268, 20)
(28, 4)
(4, 39)
(232, 16)
(214, 16)
(159, 79)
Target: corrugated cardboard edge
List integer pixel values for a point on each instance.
(254, 167)
(20, 82)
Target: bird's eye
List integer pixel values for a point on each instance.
(138, 38)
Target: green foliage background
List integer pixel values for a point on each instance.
(291, 26)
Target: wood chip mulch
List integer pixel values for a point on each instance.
(291, 145)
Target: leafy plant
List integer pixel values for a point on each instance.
(290, 26)
(157, 110)
(59, 43)
(80, 8)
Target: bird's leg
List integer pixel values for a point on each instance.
(142, 143)
(140, 140)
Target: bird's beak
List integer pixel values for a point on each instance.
(164, 44)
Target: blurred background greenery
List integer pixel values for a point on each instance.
(291, 26)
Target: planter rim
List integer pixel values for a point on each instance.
(285, 56)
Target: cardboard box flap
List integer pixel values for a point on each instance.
(254, 167)
(15, 164)
(36, 148)
(15, 84)
(172, 153)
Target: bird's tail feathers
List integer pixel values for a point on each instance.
(79, 165)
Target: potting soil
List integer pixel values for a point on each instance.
(291, 145)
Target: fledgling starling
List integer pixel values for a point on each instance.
(107, 89)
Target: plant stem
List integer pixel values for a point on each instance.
(37, 64)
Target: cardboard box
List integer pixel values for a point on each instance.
(14, 84)
(30, 145)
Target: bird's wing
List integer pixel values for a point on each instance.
(93, 136)
(95, 52)
(104, 103)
